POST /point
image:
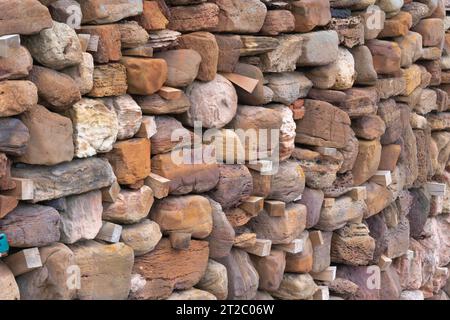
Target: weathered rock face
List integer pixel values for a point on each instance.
(280, 229)
(57, 90)
(17, 97)
(10, 290)
(216, 111)
(109, 11)
(318, 116)
(343, 210)
(187, 214)
(129, 115)
(182, 66)
(270, 269)
(23, 17)
(235, 184)
(49, 281)
(75, 177)
(187, 177)
(82, 217)
(95, 127)
(165, 269)
(295, 287)
(240, 17)
(367, 162)
(51, 137)
(131, 206)
(130, 160)
(142, 237)
(215, 280)
(31, 226)
(205, 44)
(105, 270)
(57, 47)
(352, 245)
(242, 276)
(222, 235)
(17, 65)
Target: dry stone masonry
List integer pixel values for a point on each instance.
(135, 161)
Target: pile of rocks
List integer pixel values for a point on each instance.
(99, 98)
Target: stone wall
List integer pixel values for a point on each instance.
(348, 199)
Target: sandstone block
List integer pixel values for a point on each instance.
(165, 269)
(95, 127)
(242, 276)
(131, 206)
(187, 214)
(281, 230)
(16, 97)
(221, 97)
(105, 270)
(142, 237)
(23, 17)
(144, 82)
(205, 44)
(204, 16)
(130, 160)
(240, 17)
(109, 44)
(49, 281)
(57, 47)
(109, 80)
(309, 14)
(31, 226)
(187, 177)
(320, 115)
(319, 48)
(182, 66)
(74, 177)
(215, 280)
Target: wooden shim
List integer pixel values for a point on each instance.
(296, 246)
(384, 262)
(145, 51)
(261, 248)
(442, 271)
(275, 208)
(358, 193)
(180, 240)
(409, 255)
(246, 83)
(84, 40)
(8, 42)
(382, 177)
(322, 293)
(93, 43)
(24, 261)
(316, 238)
(148, 128)
(436, 189)
(244, 240)
(109, 232)
(110, 194)
(328, 202)
(24, 189)
(265, 167)
(158, 184)
(7, 204)
(327, 275)
(170, 93)
(253, 205)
